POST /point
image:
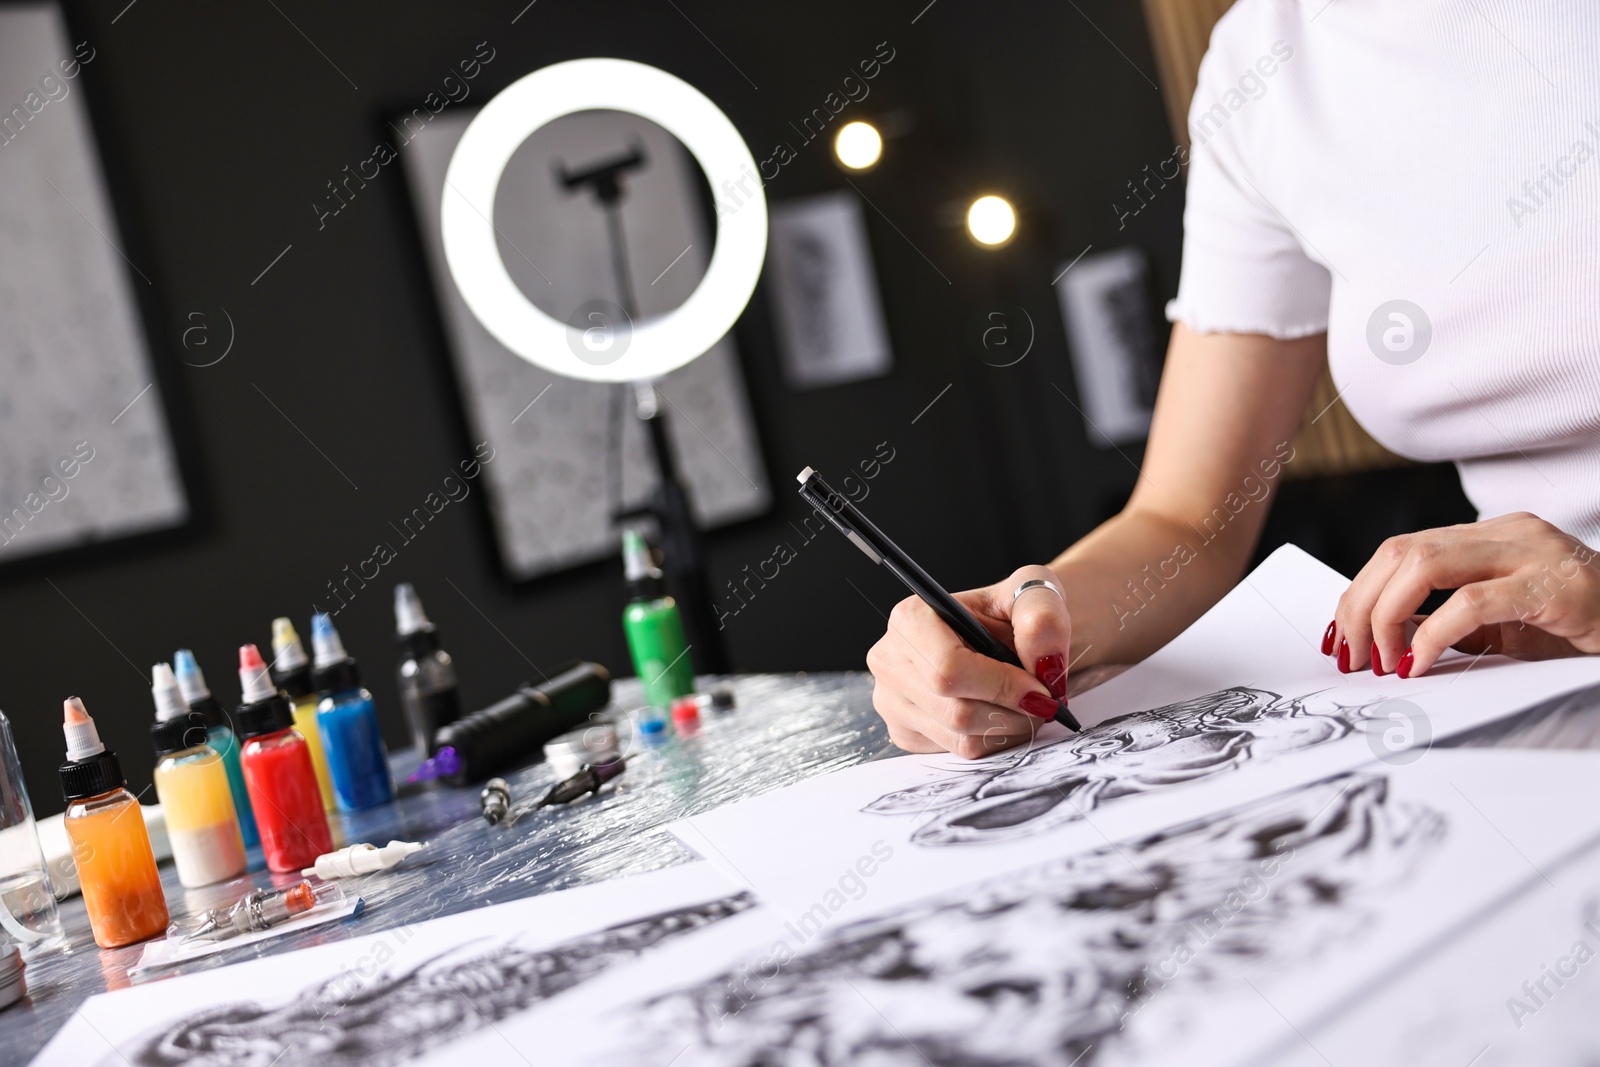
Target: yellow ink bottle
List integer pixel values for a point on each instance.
(192, 785)
(291, 672)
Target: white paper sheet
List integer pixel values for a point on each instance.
(391, 997)
(1241, 705)
(1204, 944)
(1520, 989)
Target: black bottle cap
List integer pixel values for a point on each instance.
(265, 716)
(337, 676)
(296, 681)
(419, 643)
(650, 587)
(209, 712)
(84, 778)
(175, 735)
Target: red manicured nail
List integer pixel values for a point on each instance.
(1407, 661)
(1344, 656)
(1327, 637)
(1377, 661)
(1039, 706)
(1052, 671)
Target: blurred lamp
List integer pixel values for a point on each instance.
(659, 344)
(858, 145)
(655, 345)
(991, 220)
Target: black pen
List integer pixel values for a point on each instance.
(871, 540)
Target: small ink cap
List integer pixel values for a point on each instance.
(254, 682)
(83, 740)
(335, 669)
(168, 696)
(90, 770)
(326, 643)
(409, 618)
(287, 651)
(190, 679)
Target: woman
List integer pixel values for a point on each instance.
(1411, 193)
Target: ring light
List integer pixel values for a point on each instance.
(659, 344)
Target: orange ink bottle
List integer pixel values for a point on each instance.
(116, 869)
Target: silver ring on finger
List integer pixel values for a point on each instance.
(1038, 583)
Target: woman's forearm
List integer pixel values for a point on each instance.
(1219, 443)
(1139, 579)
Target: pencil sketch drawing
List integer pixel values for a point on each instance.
(398, 1014)
(1055, 964)
(1143, 751)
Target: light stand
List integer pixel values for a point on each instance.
(684, 556)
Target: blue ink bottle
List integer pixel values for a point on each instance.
(357, 761)
(220, 736)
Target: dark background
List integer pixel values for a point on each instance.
(221, 124)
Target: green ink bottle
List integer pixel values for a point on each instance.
(653, 627)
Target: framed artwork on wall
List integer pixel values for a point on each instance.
(86, 451)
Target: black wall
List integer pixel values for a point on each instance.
(221, 125)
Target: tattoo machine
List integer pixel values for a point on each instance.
(513, 731)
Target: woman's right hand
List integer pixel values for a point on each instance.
(936, 694)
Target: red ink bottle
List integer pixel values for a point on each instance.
(278, 772)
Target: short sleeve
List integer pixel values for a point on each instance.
(1244, 270)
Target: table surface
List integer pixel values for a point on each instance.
(781, 730)
(784, 728)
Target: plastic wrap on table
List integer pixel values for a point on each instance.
(783, 729)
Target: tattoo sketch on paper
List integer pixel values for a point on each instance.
(1055, 963)
(397, 1015)
(1140, 752)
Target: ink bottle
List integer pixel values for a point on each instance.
(278, 772)
(348, 720)
(291, 673)
(429, 695)
(105, 827)
(220, 736)
(654, 628)
(192, 786)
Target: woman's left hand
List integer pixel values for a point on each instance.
(1522, 588)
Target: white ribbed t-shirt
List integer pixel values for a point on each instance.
(1421, 180)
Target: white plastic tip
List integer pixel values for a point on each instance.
(409, 618)
(355, 860)
(254, 682)
(803, 475)
(83, 740)
(191, 679)
(287, 651)
(327, 646)
(168, 695)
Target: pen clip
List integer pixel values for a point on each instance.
(863, 546)
(820, 495)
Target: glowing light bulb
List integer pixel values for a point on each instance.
(991, 220)
(858, 145)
